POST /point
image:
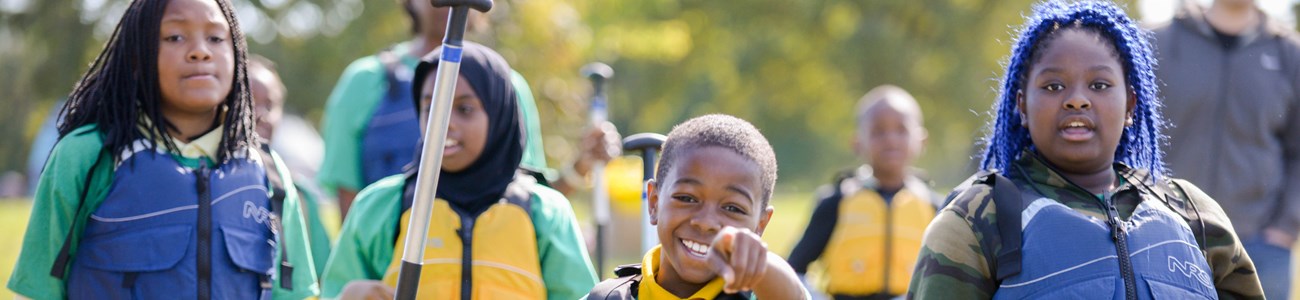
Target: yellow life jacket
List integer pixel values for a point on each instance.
(874, 244)
(502, 248)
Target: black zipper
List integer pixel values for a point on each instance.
(204, 253)
(467, 260)
(1117, 232)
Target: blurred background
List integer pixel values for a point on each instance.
(793, 68)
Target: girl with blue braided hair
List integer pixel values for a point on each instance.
(1075, 201)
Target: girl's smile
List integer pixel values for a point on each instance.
(452, 147)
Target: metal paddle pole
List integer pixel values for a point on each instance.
(599, 73)
(649, 145)
(435, 137)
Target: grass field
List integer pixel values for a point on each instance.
(13, 222)
(792, 212)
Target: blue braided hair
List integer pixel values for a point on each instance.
(1139, 146)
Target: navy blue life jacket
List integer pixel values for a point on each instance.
(1066, 254)
(1050, 251)
(389, 142)
(143, 240)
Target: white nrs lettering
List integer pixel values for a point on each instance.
(1191, 270)
(257, 213)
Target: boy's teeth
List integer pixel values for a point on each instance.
(451, 142)
(1075, 124)
(696, 248)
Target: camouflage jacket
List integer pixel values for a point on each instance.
(953, 264)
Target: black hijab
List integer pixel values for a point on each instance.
(485, 180)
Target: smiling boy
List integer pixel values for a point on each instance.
(709, 202)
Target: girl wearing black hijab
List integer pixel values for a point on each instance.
(494, 234)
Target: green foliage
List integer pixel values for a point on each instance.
(794, 68)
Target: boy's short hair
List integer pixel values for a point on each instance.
(888, 94)
(721, 131)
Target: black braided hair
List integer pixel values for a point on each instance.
(121, 87)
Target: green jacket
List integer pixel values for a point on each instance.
(316, 233)
(365, 246)
(59, 193)
(952, 263)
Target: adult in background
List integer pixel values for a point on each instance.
(1231, 76)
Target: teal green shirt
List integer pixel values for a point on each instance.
(55, 208)
(320, 240)
(353, 101)
(366, 243)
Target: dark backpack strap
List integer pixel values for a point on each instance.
(519, 192)
(625, 286)
(278, 193)
(408, 191)
(65, 253)
(1176, 199)
(1009, 207)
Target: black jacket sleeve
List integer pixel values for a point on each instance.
(820, 227)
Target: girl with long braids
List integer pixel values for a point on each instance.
(1075, 201)
(157, 187)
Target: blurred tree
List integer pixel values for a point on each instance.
(793, 68)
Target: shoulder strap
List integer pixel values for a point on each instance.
(277, 194)
(624, 287)
(278, 190)
(408, 191)
(519, 192)
(1175, 197)
(1009, 204)
(1009, 207)
(65, 253)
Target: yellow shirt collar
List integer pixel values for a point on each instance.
(205, 146)
(651, 290)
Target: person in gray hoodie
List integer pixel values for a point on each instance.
(1232, 81)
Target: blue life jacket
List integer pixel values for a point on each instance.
(143, 240)
(389, 142)
(1068, 255)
